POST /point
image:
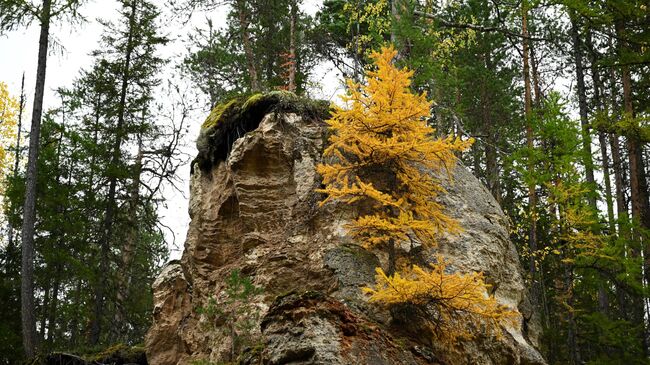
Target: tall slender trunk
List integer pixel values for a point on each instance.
(538, 287)
(74, 322)
(107, 229)
(491, 163)
(582, 107)
(89, 200)
(620, 178)
(532, 195)
(246, 42)
(17, 153)
(29, 210)
(54, 280)
(638, 184)
(394, 11)
(619, 183)
(603, 141)
(292, 48)
(130, 242)
(601, 105)
(537, 89)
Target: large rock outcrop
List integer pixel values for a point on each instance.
(255, 209)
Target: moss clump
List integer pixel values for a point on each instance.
(217, 113)
(117, 354)
(232, 119)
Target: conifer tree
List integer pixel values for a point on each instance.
(263, 47)
(381, 156)
(13, 14)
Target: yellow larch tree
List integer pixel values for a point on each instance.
(383, 157)
(382, 151)
(8, 121)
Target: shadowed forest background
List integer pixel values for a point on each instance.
(554, 93)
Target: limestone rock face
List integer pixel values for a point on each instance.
(258, 212)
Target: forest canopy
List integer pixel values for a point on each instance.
(553, 94)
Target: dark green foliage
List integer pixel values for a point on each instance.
(79, 161)
(10, 334)
(69, 205)
(232, 119)
(218, 64)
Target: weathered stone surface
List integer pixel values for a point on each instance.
(172, 305)
(311, 328)
(257, 211)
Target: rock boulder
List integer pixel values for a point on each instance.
(256, 210)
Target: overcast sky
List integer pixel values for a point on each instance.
(71, 53)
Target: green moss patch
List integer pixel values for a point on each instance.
(232, 119)
(118, 355)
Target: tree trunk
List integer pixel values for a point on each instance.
(620, 178)
(532, 196)
(491, 163)
(582, 106)
(44, 306)
(619, 182)
(535, 76)
(74, 322)
(638, 185)
(246, 42)
(292, 48)
(602, 137)
(21, 107)
(128, 249)
(29, 210)
(395, 18)
(107, 231)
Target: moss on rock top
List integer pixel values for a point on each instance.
(232, 119)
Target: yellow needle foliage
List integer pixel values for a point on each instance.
(454, 305)
(382, 151)
(382, 156)
(8, 121)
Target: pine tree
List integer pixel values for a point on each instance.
(14, 13)
(131, 61)
(264, 47)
